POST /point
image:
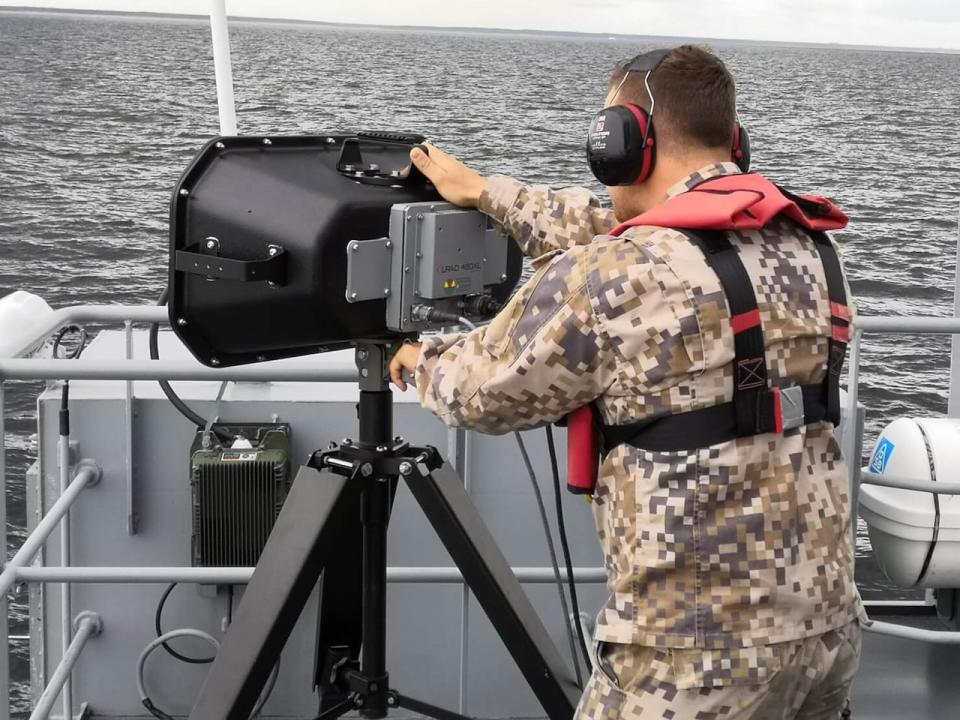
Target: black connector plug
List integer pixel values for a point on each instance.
(481, 305)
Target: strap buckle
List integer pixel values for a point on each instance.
(790, 409)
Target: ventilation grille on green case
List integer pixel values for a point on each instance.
(236, 506)
(238, 492)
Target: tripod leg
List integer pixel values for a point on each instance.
(426, 709)
(456, 521)
(335, 711)
(339, 626)
(303, 536)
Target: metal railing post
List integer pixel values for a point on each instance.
(850, 449)
(953, 399)
(132, 520)
(4, 613)
(275, 371)
(458, 449)
(88, 625)
(88, 473)
(66, 629)
(908, 632)
(241, 575)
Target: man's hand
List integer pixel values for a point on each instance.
(455, 182)
(405, 359)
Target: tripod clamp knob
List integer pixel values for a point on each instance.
(370, 462)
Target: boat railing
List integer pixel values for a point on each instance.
(895, 325)
(77, 630)
(76, 477)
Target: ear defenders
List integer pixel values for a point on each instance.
(741, 147)
(621, 142)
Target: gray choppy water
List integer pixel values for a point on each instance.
(98, 116)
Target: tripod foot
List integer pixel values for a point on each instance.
(395, 699)
(342, 708)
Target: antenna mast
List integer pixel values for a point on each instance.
(222, 67)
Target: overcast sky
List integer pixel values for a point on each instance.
(899, 23)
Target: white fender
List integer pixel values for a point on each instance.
(916, 535)
(20, 312)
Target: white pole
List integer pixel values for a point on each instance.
(241, 576)
(66, 626)
(88, 474)
(4, 627)
(222, 67)
(953, 403)
(88, 626)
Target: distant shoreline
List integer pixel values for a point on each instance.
(26, 9)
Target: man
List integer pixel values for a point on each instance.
(711, 357)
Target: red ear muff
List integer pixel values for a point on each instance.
(741, 148)
(621, 145)
(648, 143)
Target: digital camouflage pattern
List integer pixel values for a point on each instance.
(729, 548)
(798, 680)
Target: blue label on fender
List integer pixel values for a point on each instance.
(881, 456)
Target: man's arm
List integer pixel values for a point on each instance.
(540, 219)
(543, 356)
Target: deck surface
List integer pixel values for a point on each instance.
(905, 679)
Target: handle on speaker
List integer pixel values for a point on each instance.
(351, 162)
(272, 269)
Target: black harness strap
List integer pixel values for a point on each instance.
(839, 324)
(697, 428)
(753, 402)
(756, 408)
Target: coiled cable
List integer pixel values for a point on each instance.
(158, 615)
(191, 632)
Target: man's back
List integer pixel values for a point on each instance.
(743, 543)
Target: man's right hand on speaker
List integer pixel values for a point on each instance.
(456, 183)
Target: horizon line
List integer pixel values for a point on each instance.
(462, 29)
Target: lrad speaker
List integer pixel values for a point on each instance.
(259, 236)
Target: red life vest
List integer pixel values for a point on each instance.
(739, 202)
(731, 202)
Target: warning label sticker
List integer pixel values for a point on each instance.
(237, 456)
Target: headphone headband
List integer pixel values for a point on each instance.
(648, 61)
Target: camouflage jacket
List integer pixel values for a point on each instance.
(741, 545)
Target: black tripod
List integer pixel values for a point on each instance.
(333, 526)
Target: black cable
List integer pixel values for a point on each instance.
(553, 556)
(574, 602)
(170, 650)
(174, 399)
(75, 353)
(64, 416)
(155, 711)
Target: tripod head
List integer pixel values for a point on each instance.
(372, 358)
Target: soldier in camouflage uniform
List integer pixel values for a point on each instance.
(730, 568)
